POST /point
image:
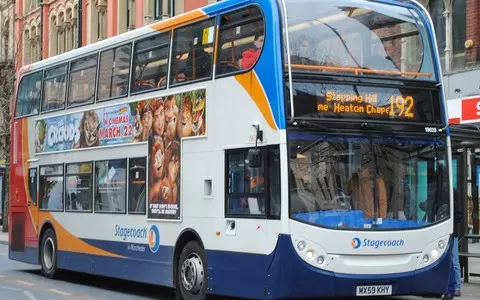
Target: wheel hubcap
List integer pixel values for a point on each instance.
(48, 253)
(192, 274)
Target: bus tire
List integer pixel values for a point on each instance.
(48, 254)
(192, 272)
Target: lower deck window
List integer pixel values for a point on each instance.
(79, 187)
(110, 186)
(51, 188)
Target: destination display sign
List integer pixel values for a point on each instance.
(366, 102)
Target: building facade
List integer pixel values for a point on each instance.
(6, 29)
(457, 29)
(99, 19)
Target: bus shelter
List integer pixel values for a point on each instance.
(464, 121)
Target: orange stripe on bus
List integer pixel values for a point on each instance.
(68, 242)
(356, 71)
(252, 85)
(190, 16)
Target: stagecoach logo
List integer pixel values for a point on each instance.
(154, 238)
(357, 243)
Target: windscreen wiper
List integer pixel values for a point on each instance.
(309, 124)
(374, 126)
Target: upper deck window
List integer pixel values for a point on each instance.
(192, 56)
(150, 63)
(82, 81)
(29, 94)
(240, 40)
(54, 87)
(346, 37)
(114, 71)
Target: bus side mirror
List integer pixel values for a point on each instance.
(254, 158)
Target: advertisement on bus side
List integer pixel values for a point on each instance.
(161, 121)
(174, 117)
(114, 125)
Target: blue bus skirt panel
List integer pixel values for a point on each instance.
(288, 276)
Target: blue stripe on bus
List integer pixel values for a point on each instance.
(281, 274)
(123, 268)
(29, 256)
(269, 68)
(133, 250)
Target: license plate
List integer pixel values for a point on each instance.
(374, 290)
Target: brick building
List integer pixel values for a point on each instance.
(100, 19)
(457, 28)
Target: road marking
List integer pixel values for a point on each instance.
(25, 283)
(9, 288)
(2, 276)
(60, 292)
(29, 295)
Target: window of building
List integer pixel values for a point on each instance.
(79, 187)
(240, 40)
(158, 9)
(130, 14)
(51, 188)
(150, 63)
(192, 57)
(110, 186)
(137, 185)
(54, 88)
(247, 192)
(81, 88)
(32, 184)
(114, 72)
(29, 94)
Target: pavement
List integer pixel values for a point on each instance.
(3, 237)
(105, 289)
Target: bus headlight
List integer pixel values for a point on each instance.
(301, 245)
(312, 253)
(320, 260)
(441, 244)
(432, 252)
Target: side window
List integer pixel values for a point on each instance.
(51, 188)
(192, 55)
(246, 186)
(29, 94)
(110, 186)
(79, 187)
(32, 184)
(54, 88)
(150, 63)
(240, 42)
(114, 72)
(136, 185)
(82, 79)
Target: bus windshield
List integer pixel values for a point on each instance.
(358, 38)
(367, 182)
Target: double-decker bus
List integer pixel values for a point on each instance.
(250, 148)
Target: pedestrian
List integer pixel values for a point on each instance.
(454, 280)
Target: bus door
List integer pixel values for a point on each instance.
(32, 202)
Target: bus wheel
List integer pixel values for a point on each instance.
(192, 272)
(48, 254)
